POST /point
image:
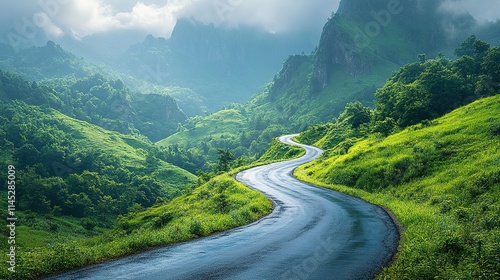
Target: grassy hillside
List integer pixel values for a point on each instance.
(442, 181)
(244, 131)
(218, 205)
(74, 179)
(224, 124)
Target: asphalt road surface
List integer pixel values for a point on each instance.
(312, 233)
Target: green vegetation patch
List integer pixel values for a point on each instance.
(442, 181)
(220, 204)
(278, 151)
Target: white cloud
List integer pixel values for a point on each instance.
(481, 10)
(271, 15)
(94, 16)
(84, 17)
(50, 29)
(79, 18)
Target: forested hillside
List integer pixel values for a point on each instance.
(70, 167)
(95, 99)
(75, 178)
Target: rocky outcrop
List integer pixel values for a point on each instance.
(287, 74)
(336, 48)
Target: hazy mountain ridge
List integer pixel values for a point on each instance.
(314, 88)
(221, 65)
(365, 42)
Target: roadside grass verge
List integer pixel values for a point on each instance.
(442, 182)
(218, 205)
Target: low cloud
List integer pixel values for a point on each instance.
(53, 19)
(79, 18)
(482, 10)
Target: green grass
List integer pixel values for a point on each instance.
(278, 151)
(441, 180)
(220, 204)
(130, 150)
(225, 124)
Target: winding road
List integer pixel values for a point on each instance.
(312, 233)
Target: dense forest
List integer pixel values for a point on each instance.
(94, 99)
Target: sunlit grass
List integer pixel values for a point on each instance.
(442, 182)
(220, 204)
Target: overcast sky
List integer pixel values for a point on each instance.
(78, 18)
(54, 19)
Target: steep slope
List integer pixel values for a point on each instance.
(360, 46)
(442, 182)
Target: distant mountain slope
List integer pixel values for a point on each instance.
(45, 62)
(221, 65)
(107, 103)
(351, 62)
(359, 48)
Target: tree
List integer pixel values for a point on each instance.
(224, 159)
(467, 47)
(472, 47)
(422, 58)
(491, 67)
(445, 88)
(355, 114)
(27, 155)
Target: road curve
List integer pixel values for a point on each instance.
(312, 233)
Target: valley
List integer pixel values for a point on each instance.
(318, 232)
(166, 150)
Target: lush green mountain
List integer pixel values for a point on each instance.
(70, 168)
(76, 135)
(51, 62)
(360, 47)
(77, 177)
(73, 178)
(220, 65)
(107, 103)
(440, 179)
(236, 129)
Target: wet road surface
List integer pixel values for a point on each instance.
(312, 233)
